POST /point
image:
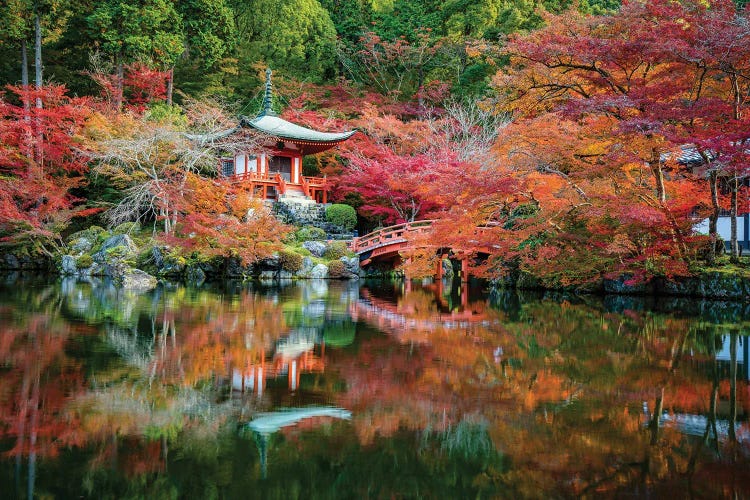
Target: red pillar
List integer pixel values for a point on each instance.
(465, 269)
(439, 270)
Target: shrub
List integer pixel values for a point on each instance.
(84, 261)
(290, 261)
(91, 234)
(335, 250)
(342, 215)
(310, 233)
(126, 228)
(336, 269)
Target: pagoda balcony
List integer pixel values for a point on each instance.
(275, 185)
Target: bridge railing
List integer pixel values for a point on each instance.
(388, 234)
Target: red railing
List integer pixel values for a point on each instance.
(316, 182)
(252, 176)
(388, 235)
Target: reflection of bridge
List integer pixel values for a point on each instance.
(386, 244)
(389, 316)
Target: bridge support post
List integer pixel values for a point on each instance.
(439, 269)
(464, 269)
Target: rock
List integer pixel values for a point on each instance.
(234, 268)
(195, 275)
(119, 240)
(81, 245)
(285, 275)
(9, 261)
(307, 265)
(114, 249)
(316, 248)
(272, 263)
(135, 279)
(713, 284)
(210, 267)
(158, 257)
(621, 285)
(172, 266)
(351, 264)
(267, 275)
(68, 265)
(527, 281)
(318, 272)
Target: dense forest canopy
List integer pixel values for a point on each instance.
(216, 45)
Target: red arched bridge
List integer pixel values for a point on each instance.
(385, 245)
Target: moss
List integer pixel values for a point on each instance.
(84, 261)
(310, 233)
(127, 228)
(336, 250)
(336, 269)
(92, 233)
(290, 261)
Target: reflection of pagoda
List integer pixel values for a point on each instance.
(293, 355)
(277, 173)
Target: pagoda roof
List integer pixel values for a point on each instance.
(278, 127)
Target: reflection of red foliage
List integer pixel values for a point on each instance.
(139, 456)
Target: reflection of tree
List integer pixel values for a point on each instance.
(38, 380)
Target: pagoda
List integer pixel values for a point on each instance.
(276, 173)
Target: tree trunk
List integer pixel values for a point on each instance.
(734, 245)
(120, 81)
(713, 218)
(28, 138)
(655, 164)
(24, 65)
(170, 85)
(39, 82)
(733, 386)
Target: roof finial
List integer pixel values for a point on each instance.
(268, 97)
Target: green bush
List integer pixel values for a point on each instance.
(91, 234)
(126, 228)
(84, 261)
(290, 261)
(310, 233)
(336, 269)
(342, 215)
(335, 250)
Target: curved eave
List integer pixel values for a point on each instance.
(275, 126)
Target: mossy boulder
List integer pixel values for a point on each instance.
(335, 250)
(290, 261)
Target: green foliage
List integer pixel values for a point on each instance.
(84, 261)
(336, 269)
(290, 261)
(310, 233)
(341, 215)
(127, 228)
(165, 114)
(336, 250)
(294, 37)
(339, 333)
(92, 233)
(132, 31)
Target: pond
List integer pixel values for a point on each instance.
(367, 390)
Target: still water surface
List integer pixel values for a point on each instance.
(367, 390)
